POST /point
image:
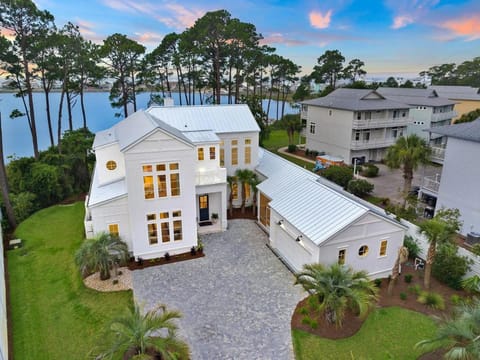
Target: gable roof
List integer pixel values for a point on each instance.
(425, 97)
(201, 136)
(105, 193)
(356, 100)
(466, 131)
(315, 206)
(457, 92)
(218, 118)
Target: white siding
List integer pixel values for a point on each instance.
(459, 185)
(105, 154)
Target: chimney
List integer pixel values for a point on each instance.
(168, 101)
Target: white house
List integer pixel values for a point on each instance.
(458, 185)
(161, 173)
(310, 219)
(354, 124)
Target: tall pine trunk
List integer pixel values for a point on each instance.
(82, 105)
(69, 109)
(4, 185)
(59, 124)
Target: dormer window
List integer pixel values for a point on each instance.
(111, 165)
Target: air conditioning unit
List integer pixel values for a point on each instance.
(473, 238)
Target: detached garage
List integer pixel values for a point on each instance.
(313, 221)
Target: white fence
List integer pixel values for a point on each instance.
(423, 243)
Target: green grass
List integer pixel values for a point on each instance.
(276, 139)
(53, 315)
(388, 333)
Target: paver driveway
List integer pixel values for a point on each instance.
(236, 302)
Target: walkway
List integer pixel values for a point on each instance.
(236, 302)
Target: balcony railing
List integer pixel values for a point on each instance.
(431, 184)
(208, 177)
(372, 143)
(438, 154)
(381, 123)
(443, 116)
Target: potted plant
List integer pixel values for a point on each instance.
(200, 247)
(214, 218)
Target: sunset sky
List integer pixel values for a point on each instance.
(390, 36)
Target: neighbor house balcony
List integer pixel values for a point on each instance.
(438, 154)
(441, 116)
(209, 177)
(381, 122)
(430, 185)
(372, 143)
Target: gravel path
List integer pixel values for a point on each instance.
(236, 302)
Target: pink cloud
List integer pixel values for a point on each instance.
(87, 30)
(9, 34)
(148, 38)
(401, 21)
(467, 27)
(277, 38)
(180, 17)
(319, 20)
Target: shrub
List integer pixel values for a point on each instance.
(193, 251)
(449, 267)
(340, 175)
(359, 187)
(292, 148)
(306, 320)
(24, 204)
(167, 256)
(432, 300)
(313, 153)
(456, 299)
(307, 152)
(303, 310)
(403, 296)
(415, 289)
(471, 284)
(313, 303)
(408, 278)
(412, 245)
(313, 323)
(370, 170)
(378, 282)
(115, 282)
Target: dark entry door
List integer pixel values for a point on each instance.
(203, 205)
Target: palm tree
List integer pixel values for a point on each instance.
(408, 152)
(253, 182)
(401, 258)
(461, 333)
(231, 180)
(100, 254)
(244, 176)
(338, 288)
(136, 335)
(440, 229)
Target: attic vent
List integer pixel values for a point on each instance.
(185, 125)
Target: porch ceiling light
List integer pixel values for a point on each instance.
(299, 238)
(280, 222)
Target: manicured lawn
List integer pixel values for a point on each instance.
(53, 315)
(388, 333)
(276, 139)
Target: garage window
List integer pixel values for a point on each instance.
(383, 248)
(341, 256)
(363, 251)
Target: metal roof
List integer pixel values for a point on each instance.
(457, 92)
(316, 210)
(218, 118)
(203, 136)
(425, 97)
(466, 131)
(111, 191)
(356, 100)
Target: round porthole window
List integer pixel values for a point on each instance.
(111, 165)
(363, 251)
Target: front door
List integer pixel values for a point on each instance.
(203, 206)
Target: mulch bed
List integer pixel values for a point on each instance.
(352, 324)
(137, 265)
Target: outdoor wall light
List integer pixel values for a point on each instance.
(299, 238)
(280, 222)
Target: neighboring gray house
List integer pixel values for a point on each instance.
(458, 186)
(467, 98)
(354, 123)
(310, 219)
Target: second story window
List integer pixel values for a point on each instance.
(167, 180)
(201, 155)
(222, 154)
(212, 152)
(248, 151)
(234, 152)
(312, 128)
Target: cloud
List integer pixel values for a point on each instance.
(9, 34)
(87, 30)
(319, 20)
(401, 21)
(148, 38)
(173, 15)
(468, 27)
(278, 38)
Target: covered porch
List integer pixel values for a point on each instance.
(211, 212)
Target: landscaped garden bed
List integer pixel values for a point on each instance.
(145, 263)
